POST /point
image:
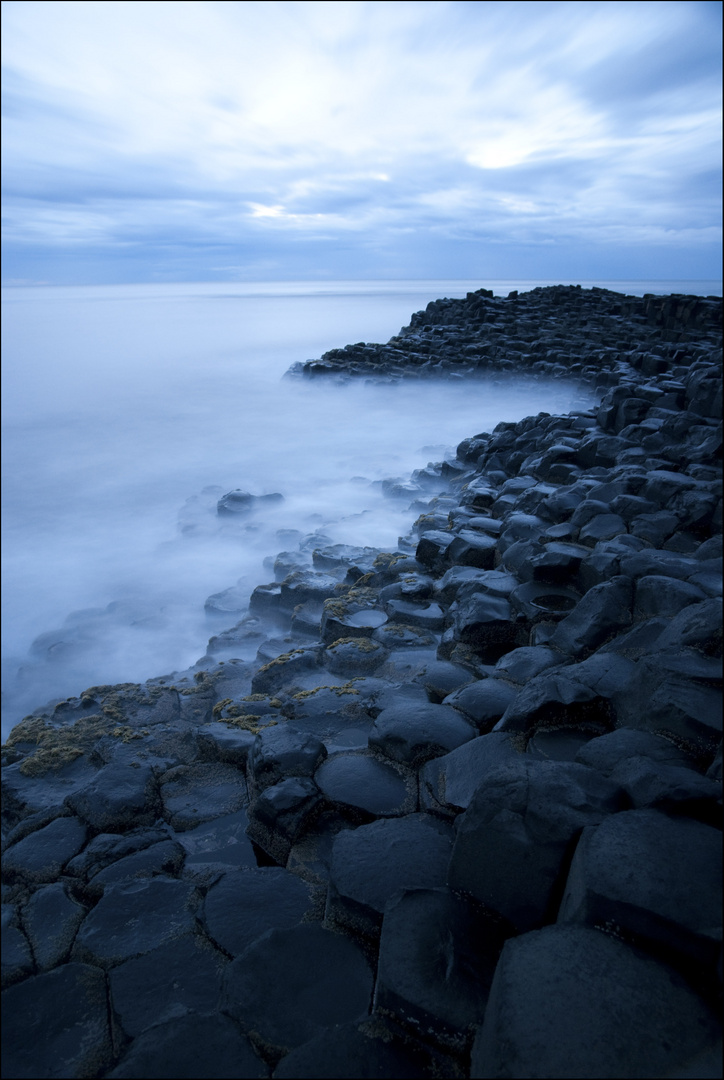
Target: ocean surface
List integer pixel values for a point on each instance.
(129, 410)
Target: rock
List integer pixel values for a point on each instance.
(291, 984)
(608, 751)
(17, 959)
(520, 665)
(484, 701)
(281, 814)
(412, 734)
(355, 656)
(217, 846)
(438, 952)
(281, 752)
(574, 981)
(164, 858)
(346, 1051)
(485, 622)
(131, 919)
(221, 742)
(56, 1024)
(41, 856)
(284, 670)
(555, 701)
(604, 610)
(239, 503)
(670, 901)
(107, 848)
(371, 863)
(512, 842)
(51, 918)
(119, 797)
(192, 794)
(449, 782)
(192, 1046)
(179, 977)
(360, 782)
(243, 904)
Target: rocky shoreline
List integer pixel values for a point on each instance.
(461, 815)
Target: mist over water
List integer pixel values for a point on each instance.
(130, 410)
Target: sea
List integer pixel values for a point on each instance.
(129, 410)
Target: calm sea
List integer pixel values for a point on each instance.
(128, 410)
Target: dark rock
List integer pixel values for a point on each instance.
(360, 782)
(520, 665)
(672, 899)
(608, 751)
(51, 918)
(107, 848)
(553, 981)
(413, 734)
(483, 701)
(438, 952)
(121, 796)
(164, 858)
(222, 742)
(485, 622)
(17, 959)
(56, 1024)
(448, 783)
(192, 1046)
(349, 1051)
(41, 856)
(134, 918)
(280, 815)
(657, 595)
(239, 503)
(179, 977)
(193, 794)
(291, 984)
(555, 701)
(243, 904)
(356, 656)
(217, 846)
(281, 752)
(539, 602)
(514, 839)
(602, 612)
(284, 670)
(371, 863)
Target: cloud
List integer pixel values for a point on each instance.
(358, 123)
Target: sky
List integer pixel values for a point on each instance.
(259, 141)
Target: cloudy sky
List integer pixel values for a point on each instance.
(201, 141)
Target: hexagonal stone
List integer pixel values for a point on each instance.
(511, 844)
(358, 781)
(280, 752)
(413, 734)
(217, 846)
(291, 984)
(181, 976)
(56, 1024)
(674, 897)
(51, 919)
(483, 701)
(41, 856)
(438, 953)
(242, 905)
(17, 959)
(164, 858)
(371, 863)
(569, 1001)
(348, 1051)
(450, 782)
(119, 797)
(133, 919)
(193, 794)
(189, 1047)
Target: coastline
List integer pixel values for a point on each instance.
(520, 699)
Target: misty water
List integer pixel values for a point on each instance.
(128, 411)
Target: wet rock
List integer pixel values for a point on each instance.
(243, 904)
(51, 918)
(438, 952)
(520, 665)
(41, 856)
(671, 900)
(551, 981)
(602, 612)
(371, 863)
(554, 701)
(134, 918)
(413, 734)
(238, 504)
(355, 656)
(485, 622)
(164, 858)
(346, 1051)
(179, 977)
(360, 782)
(280, 815)
(121, 796)
(283, 670)
(448, 783)
(56, 1024)
(484, 701)
(192, 794)
(512, 842)
(17, 959)
(217, 846)
(192, 1046)
(106, 848)
(657, 595)
(281, 752)
(223, 742)
(291, 984)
